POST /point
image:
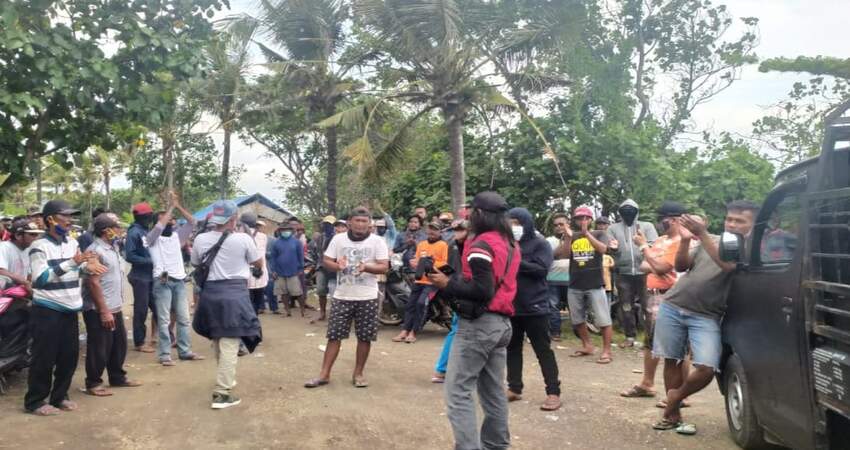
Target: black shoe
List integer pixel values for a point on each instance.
(221, 401)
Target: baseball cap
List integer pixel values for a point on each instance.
(602, 219)
(33, 211)
(222, 211)
(54, 207)
(140, 209)
(360, 211)
(490, 201)
(380, 223)
(104, 221)
(446, 216)
(249, 218)
(340, 222)
(583, 211)
(260, 223)
(329, 219)
(435, 225)
(25, 226)
(671, 209)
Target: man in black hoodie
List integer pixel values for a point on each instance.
(532, 311)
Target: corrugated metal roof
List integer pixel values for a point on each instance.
(241, 201)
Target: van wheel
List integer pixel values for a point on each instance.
(740, 411)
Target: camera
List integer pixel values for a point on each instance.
(256, 272)
(424, 266)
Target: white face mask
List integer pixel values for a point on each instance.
(517, 230)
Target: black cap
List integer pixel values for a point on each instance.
(490, 201)
(249, 218)
(671, 209)
(25, 226)
(54, 207)
(602, 219)
(103, 222)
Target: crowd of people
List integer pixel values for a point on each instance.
(503, 280)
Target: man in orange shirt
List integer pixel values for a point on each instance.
(431, 254)
(659, 261)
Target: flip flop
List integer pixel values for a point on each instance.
(97, 391)
(409, 340)
(315, 382)
(637, 391)
(604, 360)
(359, 382)
(663, 404)
(580, 353)
(438, 380)
(666, 424)
(399, 339)
(687, 429)
(127, 384)
(192, 357)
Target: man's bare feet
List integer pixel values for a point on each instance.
(145, 349)
(68, 405)
(401, 337)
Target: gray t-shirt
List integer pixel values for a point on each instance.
(351, 284)
(110, 282)
(702, 290)
(233, 259)
(14, 260)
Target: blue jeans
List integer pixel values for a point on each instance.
(170, 295)
(676, 328)
(443, 360)
(557, 297)
(270, 297)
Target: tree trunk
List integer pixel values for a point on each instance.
(453, 118)
(168, 158)
(38, 183)
(107, 178)
(330, 141)
(225, 163)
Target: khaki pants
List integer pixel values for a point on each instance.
(226, 354)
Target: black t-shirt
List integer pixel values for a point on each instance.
(586, 263)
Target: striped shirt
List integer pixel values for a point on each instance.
(56, 277)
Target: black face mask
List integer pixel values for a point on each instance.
(355, 237)
(629, 214)
(382, 231)
(168, 230)
(145, 220)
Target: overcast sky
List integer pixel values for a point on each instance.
(787, 28)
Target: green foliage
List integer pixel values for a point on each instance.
(61, 93)
(818, 65)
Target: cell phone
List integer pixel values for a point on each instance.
(447, 270)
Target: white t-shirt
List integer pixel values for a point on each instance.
(14, 260)
(351, 284)
(167, 256)
(232, 260)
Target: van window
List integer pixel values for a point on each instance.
(781, 232)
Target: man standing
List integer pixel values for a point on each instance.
(55, 265)
(287, 264)
(484, 296)
(34, 215)
(405, 243)
(224, 312)
(558, 279)
(316, 253)
(585, 249)
(165, 242)
(691, 311)
(456, 246)
(356, 257)
(103, 297)
(87, 237)
(659, 264)
(630, 280)
(533, 310)
(257, 286)
(141, 273)
(14, 265)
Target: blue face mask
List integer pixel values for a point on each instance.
(61, 231)
(286, 234)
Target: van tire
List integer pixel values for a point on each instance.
(740, 412)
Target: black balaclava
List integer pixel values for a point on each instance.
(629, 214)
(144, 220)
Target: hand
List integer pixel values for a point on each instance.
(107, 320)
(79, 258)
(640, 239)
(173, 198)
(685, 234)
(342, 263)
(695, 226)
(613, 244)
(584, 225)
(568, 232)
(438, 279)
(94, 267)
(361, 268)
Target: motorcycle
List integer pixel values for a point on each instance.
(396, 294)
(15, 340)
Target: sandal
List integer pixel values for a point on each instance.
(663, 404)
(192, 357)
(687, 429)
(97, 391)
(581, 353)
(45, 410)
(637, 391)
(359, 382)
(399, 338)
(127, 384)
(666, 424)
(409, 340)
(315, 382)
(68, 405)
(438, 379)
(552, 403)
(604, 360)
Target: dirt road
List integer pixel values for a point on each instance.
(400, 410)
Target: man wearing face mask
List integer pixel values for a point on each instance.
(55, 265)
(141, 272)
(165, 241)
(286, 264)
(628, 255)
(532, 311)
(406, 242)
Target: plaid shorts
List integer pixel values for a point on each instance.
(364, 314)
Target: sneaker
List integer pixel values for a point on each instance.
(221, 401)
